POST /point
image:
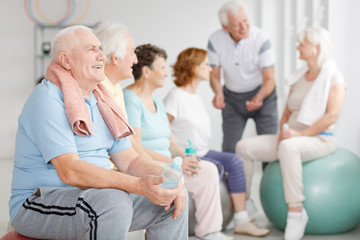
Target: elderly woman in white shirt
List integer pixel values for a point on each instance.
(189, 120)
(307, 124)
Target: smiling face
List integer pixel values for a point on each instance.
(157, 72)
(238, 25)
(86, 59)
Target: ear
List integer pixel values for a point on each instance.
(195, 69)
(114, 59)
(145, 71)
(64, 60)
(226, 29)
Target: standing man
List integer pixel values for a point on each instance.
(62, 186)
(247, 59)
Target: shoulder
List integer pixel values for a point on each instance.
(175, 92)
(218, 35)
(337, 78)
(173, 96)
(129, 95)
(46, 94)
(258, 33)
(259, 37)
(45, 104)
(132, 101)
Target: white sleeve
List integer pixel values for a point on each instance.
(171, 103)
(212, 55)
(267, 55)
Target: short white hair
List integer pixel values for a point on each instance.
(113, 37)
(61, 42)
(318, 36)
(229, 7)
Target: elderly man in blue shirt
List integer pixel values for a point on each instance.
(62, 185)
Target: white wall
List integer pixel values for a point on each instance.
(345, 32)
(173, 25)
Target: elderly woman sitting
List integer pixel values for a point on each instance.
(307, 124)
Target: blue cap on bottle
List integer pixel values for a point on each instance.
(176, 164)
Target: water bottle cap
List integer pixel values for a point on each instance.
(176, 164)
(190, 150)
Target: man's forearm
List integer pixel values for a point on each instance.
(215, 82)
(75, 172)
(266, 88)
(141, 167)
(216, 86)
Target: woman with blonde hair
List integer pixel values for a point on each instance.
(307, 124)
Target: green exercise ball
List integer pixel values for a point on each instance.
(331, 189)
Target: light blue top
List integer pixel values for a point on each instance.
(155, 130)
(45, 133)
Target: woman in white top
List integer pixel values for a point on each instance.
(189, 120)
(307, 124)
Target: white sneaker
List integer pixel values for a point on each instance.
(250, 209)
(215, 236)
(250, 228)
(295, 225)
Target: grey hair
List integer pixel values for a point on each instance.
(229, 7)
(318, 36)
(60, 42)
(113, 37)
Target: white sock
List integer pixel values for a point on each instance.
(241, 217)
(295, 214)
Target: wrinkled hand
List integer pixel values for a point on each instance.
(255, 103)
(219, 101)
(149, 188)
(190, 166)
(179, 201)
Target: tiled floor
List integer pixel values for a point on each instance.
(5, 177)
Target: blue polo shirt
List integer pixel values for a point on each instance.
(45, 133)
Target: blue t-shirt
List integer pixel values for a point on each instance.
(155, 130)
(45, 133)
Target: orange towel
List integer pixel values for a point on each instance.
(75, 107)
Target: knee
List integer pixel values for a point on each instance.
(235, 163)
(112, 202)
(210, 172)
(236, 159)
(285, 148)
(241, 148)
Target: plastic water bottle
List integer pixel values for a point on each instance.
(172, 173)
(190, 152)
